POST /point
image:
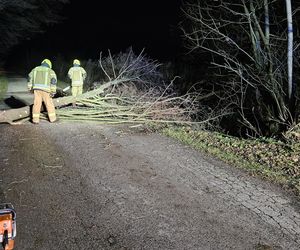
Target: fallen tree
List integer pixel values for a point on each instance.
(104, 106)
(12, 115)
(112, 108)
(134, 92)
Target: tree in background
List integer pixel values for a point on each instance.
(20, 19)
(251, 49)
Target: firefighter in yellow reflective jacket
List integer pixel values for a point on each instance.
(77, 74)
(42, 81)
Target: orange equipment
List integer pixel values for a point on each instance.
(7, 226)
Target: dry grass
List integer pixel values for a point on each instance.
(269, 158)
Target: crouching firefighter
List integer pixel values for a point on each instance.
(42, 81)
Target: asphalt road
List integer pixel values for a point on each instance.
(86, 186)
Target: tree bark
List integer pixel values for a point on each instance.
(290, 47)
(267, 22)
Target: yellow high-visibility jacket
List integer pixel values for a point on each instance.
(42, 78)
(77, 74)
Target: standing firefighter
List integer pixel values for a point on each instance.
(77, 74)
(42, 80)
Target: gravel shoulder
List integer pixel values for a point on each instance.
(107, 187)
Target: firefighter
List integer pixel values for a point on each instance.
(77, 74)
(42, 81)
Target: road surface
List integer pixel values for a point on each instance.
(87, 186)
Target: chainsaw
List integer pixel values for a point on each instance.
(8, 230)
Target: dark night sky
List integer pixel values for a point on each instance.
(88, 29)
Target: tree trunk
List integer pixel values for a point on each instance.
(9, 116)
(257, 45)
(290, 47)
(267, 22)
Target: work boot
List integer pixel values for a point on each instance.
(55, 121)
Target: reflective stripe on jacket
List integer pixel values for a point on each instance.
(77, 74)
(42, 78)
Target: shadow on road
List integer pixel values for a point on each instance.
(14, 103)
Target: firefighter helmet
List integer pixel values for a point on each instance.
(76, 61)
(47, 61)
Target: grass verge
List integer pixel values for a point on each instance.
(268, 158)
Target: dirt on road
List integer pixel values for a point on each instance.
(87, 186)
